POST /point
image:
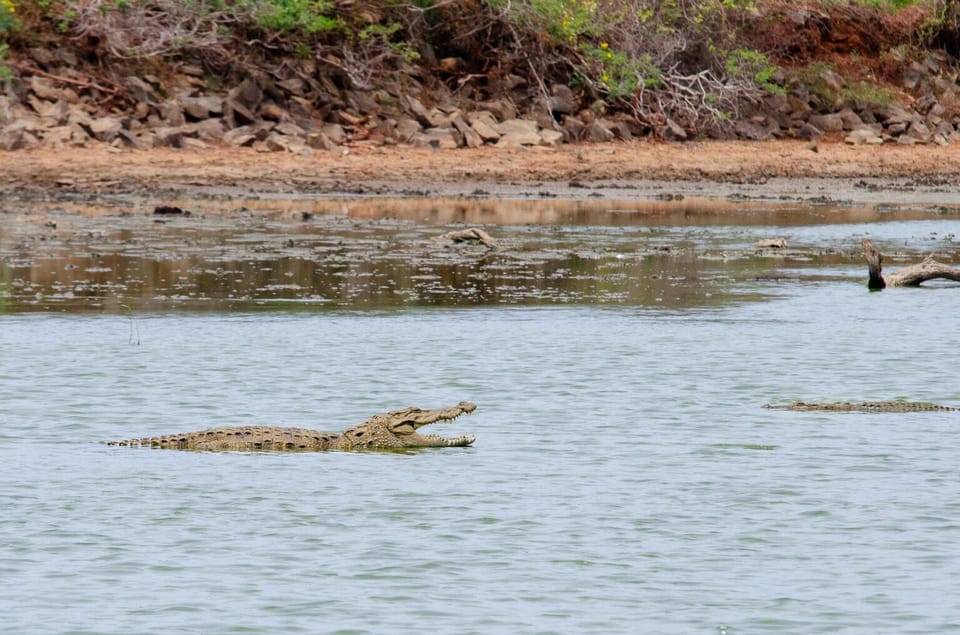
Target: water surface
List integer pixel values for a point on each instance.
(625, 478)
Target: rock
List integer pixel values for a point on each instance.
(471, 138)
(276, 142)
(907, 140)
(236, 115)
(941, 139)
(850, 119)
(247, 94)
(562, 100)
(891, 114)
(596, 132)
(863, 135)
(139, 90)
(751, 131)
(484, 124)
(141, 111)
(105, 129)
(171, 113)
(11, 139)
(130, 140)
(294, 86)
(335, 133)
(573, 128)
(273, 112)
(827, 123)
(919, 131)
(518, 132)
(619, 128)
(320, 141)
(416, 108)
(209, 129)
(517, 126)
(551, 137)
(290, 129)
(168, 137)
(199, 108)
(241, 136)
(70, 134)
(674, 131)
(442, 138)
(501, 109)
(407, 129)
(45, 89)
(809, 132)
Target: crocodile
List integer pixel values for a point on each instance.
(865, 406)
(394, 430)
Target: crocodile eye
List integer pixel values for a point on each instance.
(358, 434)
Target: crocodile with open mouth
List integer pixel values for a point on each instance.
(391, 431)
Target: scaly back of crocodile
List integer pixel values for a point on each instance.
(864, 406)
(240, 438)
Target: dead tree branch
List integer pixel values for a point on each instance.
(911, 276)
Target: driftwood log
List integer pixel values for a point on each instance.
(910, 276)
(471, 235)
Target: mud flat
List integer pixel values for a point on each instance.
(828, 172)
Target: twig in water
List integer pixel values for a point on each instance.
(133, 324)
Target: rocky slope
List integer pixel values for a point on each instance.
(56, 99)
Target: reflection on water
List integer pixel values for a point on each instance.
(382, 253)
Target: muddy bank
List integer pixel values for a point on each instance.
(777, 171)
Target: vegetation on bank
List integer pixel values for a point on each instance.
(696, 62)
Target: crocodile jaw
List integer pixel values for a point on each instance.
(436, 441)
(410, 438)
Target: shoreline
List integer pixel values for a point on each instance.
(788, 171)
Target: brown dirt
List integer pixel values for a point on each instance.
(775, 170)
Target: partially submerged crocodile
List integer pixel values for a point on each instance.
(393, 430)
(864, 406)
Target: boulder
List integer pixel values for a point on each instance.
(209, 129)
(335, 133)
(247, 94)
(919, 131)
(168, 137)
(198, 108)
(827, 123)
(484, 124)
(139, 90)
(171, 113)
(11, 139)
(501, 109)
(271, 111)
(105, 129)
(320, 141)
(809, 132)
(518, 132)
(236, 115)
(290, 129)
(596, 132)
(471, 138)
(863, 135)
(551, 137)
(442, 138)
(674, 131)
(242, 136)
(407, 129)
(562, 101)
